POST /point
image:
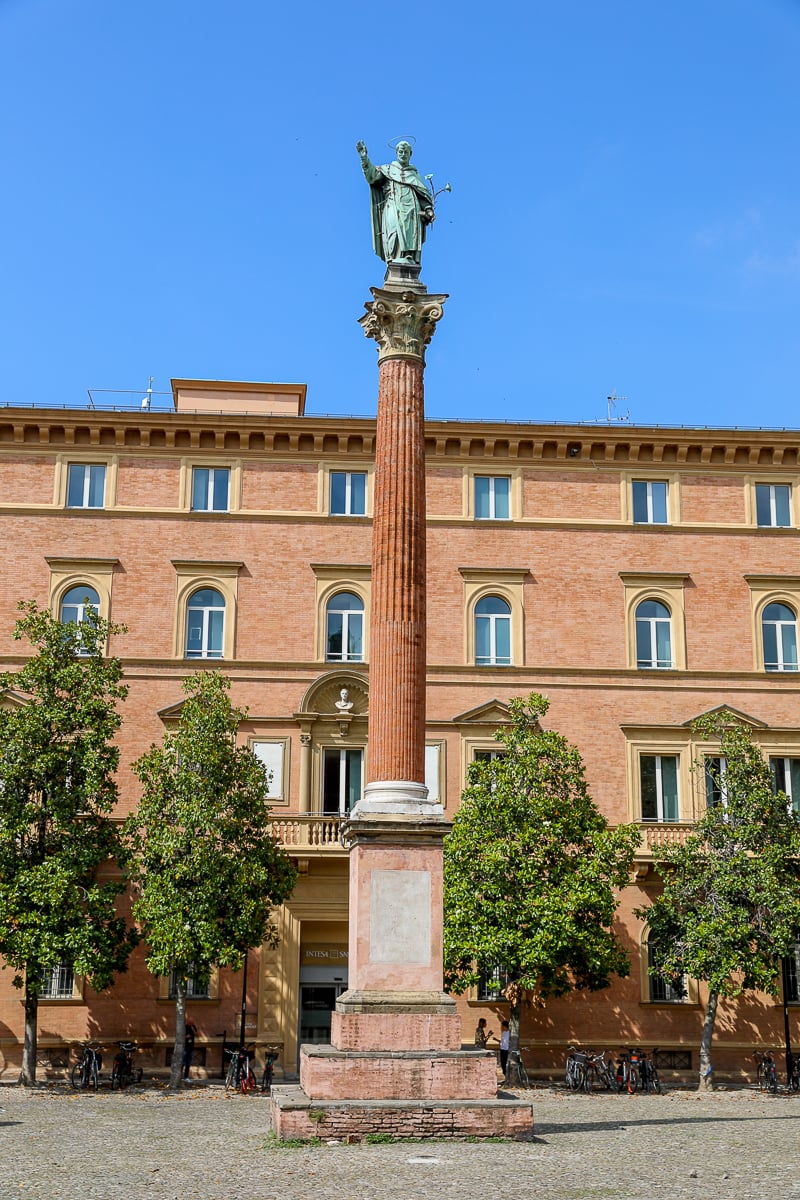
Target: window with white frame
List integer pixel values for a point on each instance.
(433, 758)
(342, 770)
(649, 501)
(205, 624)
(58, 982)
(198, 987)
(786, 779)
(211, 489)
(492, 497)
(487, 756)
(86, 485)
(78, 604)
(492, 632)
(348, 493)
(773, 504)
(271, 754)
(661, 990)
(791, 975)
(715, 769)
(653, 636)
(344, 628)
(658, 779)
(779, 635)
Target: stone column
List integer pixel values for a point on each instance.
(305, 773)
(402, 319)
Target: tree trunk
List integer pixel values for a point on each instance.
(512, 1078)
(706, 1081)
(176, 1071)
(27, 1075)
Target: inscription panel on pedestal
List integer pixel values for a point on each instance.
(400, 917)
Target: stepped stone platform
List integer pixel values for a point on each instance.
(295, 1115)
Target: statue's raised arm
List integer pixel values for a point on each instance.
(402, 206)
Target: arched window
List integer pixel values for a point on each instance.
(205, 624)
(779, 632)
(77, 604)
(653, 635)
(344, 628)
(492, 632)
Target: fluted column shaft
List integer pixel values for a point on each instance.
(397, 627)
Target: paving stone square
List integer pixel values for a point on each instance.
(203, 1143)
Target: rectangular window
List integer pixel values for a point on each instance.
(210, 489)
(488, 755)
(786, 778)
(348, 493)
(662, 991)
(197, 987)
(773, 504)
(58, 983)
(492, 981)
(649, 502)
(341, 780)
(271, 755)
(86, 485)
(433, 755)
(492, 497)
(659, 787)
(716, 791)
(791, 975)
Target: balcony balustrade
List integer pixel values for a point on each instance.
(311, 834)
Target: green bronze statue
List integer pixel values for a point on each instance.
(402, 206)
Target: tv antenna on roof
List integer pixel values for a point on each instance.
(611, 404)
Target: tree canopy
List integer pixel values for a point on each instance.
(58, 719)
(730, 905)
(531, 870)
(207, 868)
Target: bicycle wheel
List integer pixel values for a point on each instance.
(230, 1078)
(78, 1076)
(248, 1081)
(586, 1079)
(633, 1081)
(116, 1078)
(772, 1079)
(266, 1078)
(95, 1074)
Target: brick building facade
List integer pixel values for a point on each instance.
(637, 576)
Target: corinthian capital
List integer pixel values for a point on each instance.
(402, 324)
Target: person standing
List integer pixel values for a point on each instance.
(482, 1034)
(188, 1047)
(504, 1036)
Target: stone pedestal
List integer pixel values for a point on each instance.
(395, 1062)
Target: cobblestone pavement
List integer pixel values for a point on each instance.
(203, 1144)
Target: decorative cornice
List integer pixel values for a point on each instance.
(402, 324)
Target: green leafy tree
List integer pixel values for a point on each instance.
(730, 905)
(57, 791)
(531, 870)
(208, 870)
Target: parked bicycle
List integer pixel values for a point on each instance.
(793, 1076)
(269, 1063)
(767, 1071)
(86, 1072)
(576, 1073)
(603, 1071)
(240, 1071)
(648, 1073)
(628, 1067)
(123, 1071)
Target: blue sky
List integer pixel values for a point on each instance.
(182, 198)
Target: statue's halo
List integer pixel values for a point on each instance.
(395, 142)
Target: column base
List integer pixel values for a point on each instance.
(295, 1115)
(396, 797)
(330, 1074)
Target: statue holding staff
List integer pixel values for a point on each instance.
(402, 206)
